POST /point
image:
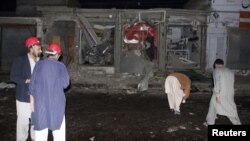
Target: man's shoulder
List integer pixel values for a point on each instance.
(224, 70)
(52, 62)
(21, 58)
(227, 70)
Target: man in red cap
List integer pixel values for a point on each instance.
(20, 74)
(48, 82)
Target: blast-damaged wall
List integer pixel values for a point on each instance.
(98, 51)
(63, 32)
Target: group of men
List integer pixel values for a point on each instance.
(178, 86)
(40, 99)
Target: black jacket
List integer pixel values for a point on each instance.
(20, 71)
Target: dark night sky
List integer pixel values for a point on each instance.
(132, 4)
(10, 5)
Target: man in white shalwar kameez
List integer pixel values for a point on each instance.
(222, 101)
(177, 88)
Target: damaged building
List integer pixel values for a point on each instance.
(126, 48)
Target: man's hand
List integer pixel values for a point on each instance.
(27, 81)
(32, 103)
(218, 99)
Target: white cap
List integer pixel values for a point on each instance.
(51, 52)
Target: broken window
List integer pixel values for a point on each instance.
(183, 46)
(96, 43)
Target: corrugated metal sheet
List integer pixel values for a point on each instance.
(238, 53)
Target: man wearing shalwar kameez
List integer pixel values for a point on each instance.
(177, 88)
(49, 79)
(222, 101)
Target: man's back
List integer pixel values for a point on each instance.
(184, 81)
(224, 81)
(49, 79)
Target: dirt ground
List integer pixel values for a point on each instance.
(126, 117)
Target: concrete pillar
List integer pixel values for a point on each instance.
(118, 43)
(162, 47)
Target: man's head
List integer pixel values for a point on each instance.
(218, 63)
(54, 51)
(34, 47)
